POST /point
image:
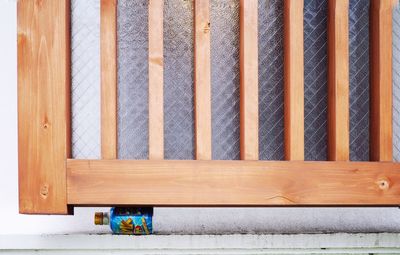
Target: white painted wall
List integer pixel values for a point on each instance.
(167, 220)
(12, 221)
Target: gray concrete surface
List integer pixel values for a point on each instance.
(275, 220)
(242, 221)
(202, 244)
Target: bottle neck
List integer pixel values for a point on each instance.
(101, 218)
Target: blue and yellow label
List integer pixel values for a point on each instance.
(137, 221)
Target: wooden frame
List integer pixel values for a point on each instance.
(50, 182)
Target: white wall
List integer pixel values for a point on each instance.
(12, 221)
(167, 220)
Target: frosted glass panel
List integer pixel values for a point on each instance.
(315, 79)
(85, 83)
(133, 79)
(270, 73)
(178, 80)
(359, 79)
(225, 80)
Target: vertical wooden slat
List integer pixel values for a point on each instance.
(338, 80)
(294, 79)
(249, 79)
(108, 56)
(43, 105)
(202, 80)
(156, 80)
(381, 80)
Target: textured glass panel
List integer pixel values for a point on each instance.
(85, 87)
(396, 84)
(225, 79)
(178, 80)
(315, 79)
(270, 66)
(359, 79)
(132, 79)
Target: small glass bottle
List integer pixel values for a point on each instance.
(127, 220)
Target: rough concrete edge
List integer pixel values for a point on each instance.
(199, 242)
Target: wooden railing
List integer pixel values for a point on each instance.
(50, 182)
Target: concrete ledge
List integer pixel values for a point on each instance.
(202, 244)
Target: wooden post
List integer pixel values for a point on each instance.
(156, 80)
(108, 55)
(338, 81)
(249, 79)
(294, 79)
(43, 105)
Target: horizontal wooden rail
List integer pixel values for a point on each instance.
(232, 183)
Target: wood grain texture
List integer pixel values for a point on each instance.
(202, 80)
(249, 80)
(232, 183)
(108, 56)
(338, 81)
(381, 80)
(294, 79)
(156, 79)
(43, 105)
